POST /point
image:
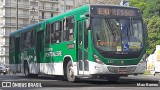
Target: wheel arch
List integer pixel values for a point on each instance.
(66, 59)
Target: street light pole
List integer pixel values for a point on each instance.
(74, 4)
(33, 9)
(64, 6)
(17, 15)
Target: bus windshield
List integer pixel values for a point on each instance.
(113, 34)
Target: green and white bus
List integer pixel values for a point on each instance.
(88, 42)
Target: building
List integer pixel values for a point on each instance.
(67, 5)
(83, 2)
(29, 12)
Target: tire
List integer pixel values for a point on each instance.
(70, 72)
(26, 70)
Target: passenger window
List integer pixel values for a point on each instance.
(68, 29)
(33, 38)
(56, 32)
(48, 39)
(12, 43)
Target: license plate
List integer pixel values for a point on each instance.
(122, 70)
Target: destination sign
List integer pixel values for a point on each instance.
(115, 11)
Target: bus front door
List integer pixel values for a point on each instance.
(83, 65)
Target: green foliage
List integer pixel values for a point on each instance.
(151, 14)
(152, 8)
(147, 72)
(153, 26)
(141, 4)
(148, 7)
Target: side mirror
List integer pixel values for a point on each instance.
(87, 15)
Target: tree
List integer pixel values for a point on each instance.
(148, 7)
(141, 4)
(83, 2)
(152, 8)
(153, 25)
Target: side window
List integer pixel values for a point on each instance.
(33, 38)
(48, 29)
(11, 46)
(22, 41)
(56, 32)
(27, 39)
(68, 29)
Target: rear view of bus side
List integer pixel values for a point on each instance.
(90, 41)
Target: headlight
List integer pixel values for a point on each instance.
(97, 59)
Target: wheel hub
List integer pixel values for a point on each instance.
(70, 71)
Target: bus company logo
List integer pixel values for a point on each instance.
(122, 62)
(6, 84)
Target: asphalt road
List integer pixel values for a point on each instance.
(50, 82)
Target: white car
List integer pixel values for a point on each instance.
(2, 69)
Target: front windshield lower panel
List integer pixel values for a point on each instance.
(117, 35)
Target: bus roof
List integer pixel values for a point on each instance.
(63, 15)
(112, 5)
(25, 29)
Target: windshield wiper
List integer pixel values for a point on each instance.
(130, 27)
(109, 26)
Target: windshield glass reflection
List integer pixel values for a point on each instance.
(117, 34)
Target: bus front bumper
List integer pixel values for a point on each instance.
(95, 68)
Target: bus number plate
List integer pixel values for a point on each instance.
(122, 70)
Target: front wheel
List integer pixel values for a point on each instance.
(70, 72)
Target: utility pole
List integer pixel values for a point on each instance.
(33, 9)
(17, 15)
(74, 4)
(64, 6)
